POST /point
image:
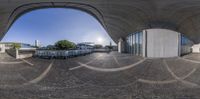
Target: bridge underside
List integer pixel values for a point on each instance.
(118, 17)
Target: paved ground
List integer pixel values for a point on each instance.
(100, 76)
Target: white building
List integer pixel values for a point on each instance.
(9, 45)
(196, 48)
(37, 43)
(85, 45)
(4, 46)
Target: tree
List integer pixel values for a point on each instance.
(16, 45)
(64, 45)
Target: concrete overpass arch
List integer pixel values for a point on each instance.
(26, 8)
(119, 18)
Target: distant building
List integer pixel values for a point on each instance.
(9, 45)
(5, 46)
(85, 45)
(37, 43)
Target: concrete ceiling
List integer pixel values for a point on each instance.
(118, 17)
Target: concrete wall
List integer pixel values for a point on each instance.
(20, 54)
(121, 45)
(144, 44)
(11, 52)
(162, 43)
(24, 53)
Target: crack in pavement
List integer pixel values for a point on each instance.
(178, 78)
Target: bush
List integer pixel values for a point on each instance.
(16, 45)
(64, 45)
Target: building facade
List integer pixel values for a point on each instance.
(186, 45)
(85, 46)
(5, 46)
(9, 45)
(157, 43)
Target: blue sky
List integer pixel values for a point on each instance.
(53, 24)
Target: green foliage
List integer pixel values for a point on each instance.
(64, 45)
(16, 45)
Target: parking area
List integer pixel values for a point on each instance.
(100, 76)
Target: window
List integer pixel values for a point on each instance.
(185, 45)
(134, 43)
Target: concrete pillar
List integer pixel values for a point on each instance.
(17, 53)
(179, 44)
(144, 43)
(2, 48)
(121, 45)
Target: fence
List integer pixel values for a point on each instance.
(61, 53)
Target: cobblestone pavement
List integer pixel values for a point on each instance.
(100, 76)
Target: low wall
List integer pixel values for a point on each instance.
(11, 52)
(20, 54)
(25, 53)
(24, 56)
